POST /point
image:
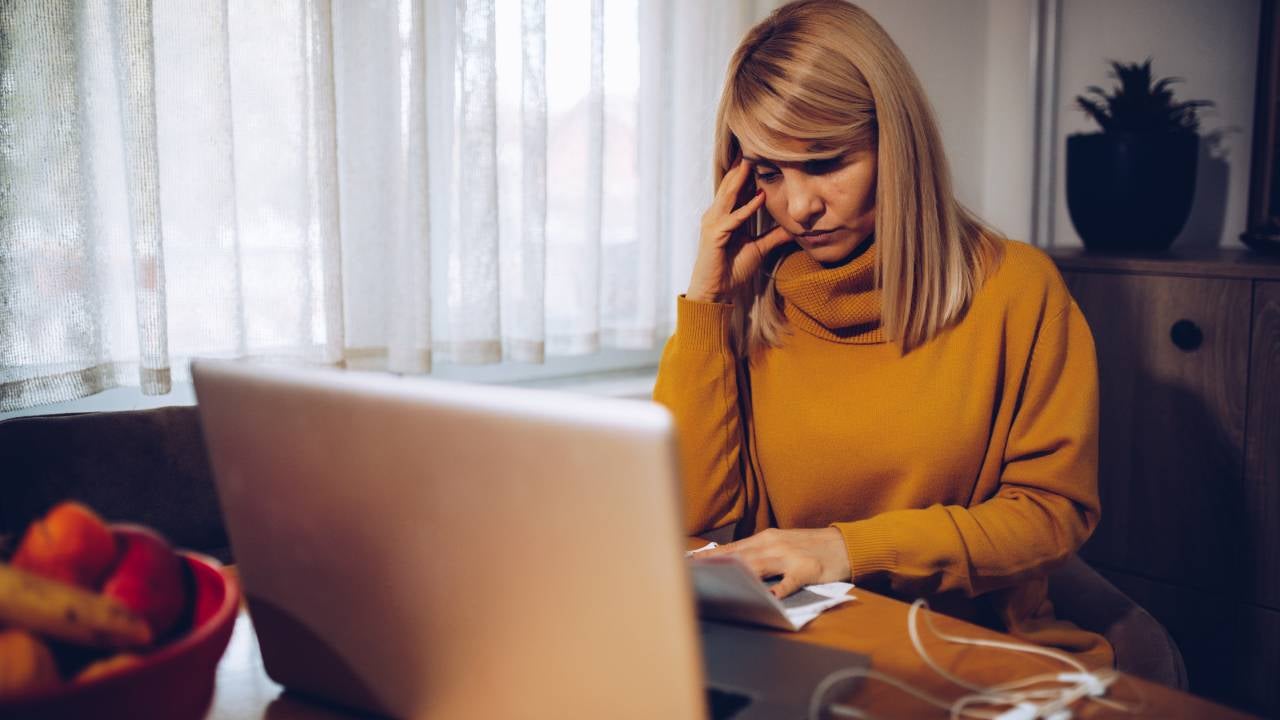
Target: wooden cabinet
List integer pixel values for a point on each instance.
(1262, 442)
(1189, 454)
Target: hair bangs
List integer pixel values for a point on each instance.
(758, 116)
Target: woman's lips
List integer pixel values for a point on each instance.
(821, 238)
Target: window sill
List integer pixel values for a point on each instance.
(631, 383)
(636, 384)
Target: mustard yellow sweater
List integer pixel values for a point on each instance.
(960, 471)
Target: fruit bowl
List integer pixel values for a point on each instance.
(172, 681)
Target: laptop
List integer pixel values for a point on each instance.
(426, 549)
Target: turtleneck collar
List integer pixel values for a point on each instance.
(840, 304)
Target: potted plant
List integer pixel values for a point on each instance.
(1130, 186)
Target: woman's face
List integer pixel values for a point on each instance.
(828, 205)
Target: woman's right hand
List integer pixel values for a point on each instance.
(725, 259)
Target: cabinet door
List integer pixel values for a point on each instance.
(1262, 460)
(1232, 649)
(1175, 504)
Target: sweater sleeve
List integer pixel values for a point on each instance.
(697, 382)
(1045, 506)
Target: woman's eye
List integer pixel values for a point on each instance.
(767, 177)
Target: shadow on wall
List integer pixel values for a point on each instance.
(1209, 208)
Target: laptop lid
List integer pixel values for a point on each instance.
(421, 548)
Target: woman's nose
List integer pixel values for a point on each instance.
(804, 205)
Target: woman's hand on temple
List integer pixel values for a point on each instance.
(724, 261)
(801, 557)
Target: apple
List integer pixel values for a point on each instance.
(148, 579)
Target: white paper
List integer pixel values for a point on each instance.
(708, 546)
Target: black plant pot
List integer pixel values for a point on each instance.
(1130, 191)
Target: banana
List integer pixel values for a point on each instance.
(65, 612)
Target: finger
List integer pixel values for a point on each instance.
(753, 253)
(772, 240)
(748, 209)
(730, 185)
(788, 585)
(763, 565)
(762, 246)
(746, 544)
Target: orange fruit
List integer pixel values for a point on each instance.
(26, 664)
(70, 543)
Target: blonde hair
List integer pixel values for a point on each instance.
(824, 72)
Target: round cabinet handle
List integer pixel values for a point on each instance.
(1186, 335)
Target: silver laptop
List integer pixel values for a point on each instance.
(426, 549)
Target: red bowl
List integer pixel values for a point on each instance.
(171, 682)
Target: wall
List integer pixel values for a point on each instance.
(946, 43)
(1214, 45)
(974, 59)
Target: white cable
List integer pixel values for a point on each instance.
(914, 632)
(831, 680)
(1021, 711)
(1096, 686)
(1059, 698)
(1092, 680)
(1021, 700)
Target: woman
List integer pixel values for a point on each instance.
(868, 383)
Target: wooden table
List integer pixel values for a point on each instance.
(872, 624)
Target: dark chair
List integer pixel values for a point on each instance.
(1142, 646)
(142, 466)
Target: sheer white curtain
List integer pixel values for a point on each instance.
(385, 184)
